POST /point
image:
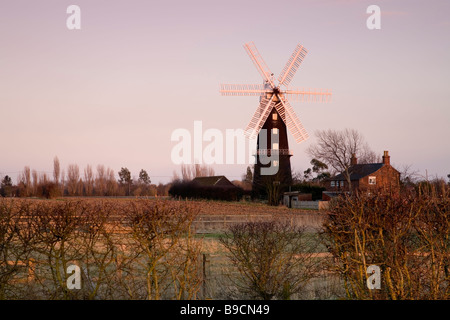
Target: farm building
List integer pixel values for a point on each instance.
(213, 187)
(365, 177)
(213, 181)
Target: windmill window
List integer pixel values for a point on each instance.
(275, 131)
(275, 163)
(274, 116)
(372, 180)
(275, 146)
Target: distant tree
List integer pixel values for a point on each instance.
(73, 178)
(111, 183)
(248, 177)
(56, 170)
(62, 186)
(161, 189)
(6, 187)
(175, 177)
(34, 175)
(297, 176)
(408, 176)
(144, 178)
(88, 180)
(125, 179)
(100, 181)
(307, 174)
(319, 168)
(189, 172)
(24, 183)
(47, 188)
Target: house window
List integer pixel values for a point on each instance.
(342, 183)
(274, 116)
(372, 180)
(275, 131)
(275, 146)
(332, 183)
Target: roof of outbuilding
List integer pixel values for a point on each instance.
(212, 181)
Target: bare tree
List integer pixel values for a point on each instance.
(89, 180)
(63, 181)
(175, 177)
(111, 183)
(335, 148)
(34, 174)
(24, 182)
(100, 181)
(186, 172)
(43, 178)
(189, 172)
(368, 156)
(56, 170)
(73, 177)
(408, 176)
(203, 170)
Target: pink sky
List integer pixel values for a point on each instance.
(113, 92)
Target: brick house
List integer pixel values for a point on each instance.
(365, 177)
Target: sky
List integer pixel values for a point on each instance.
(114, 91)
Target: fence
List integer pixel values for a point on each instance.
(219, 223)
(315, 205)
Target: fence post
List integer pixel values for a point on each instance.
(205, 273)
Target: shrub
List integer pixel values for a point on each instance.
(406, 235)
(274, 258)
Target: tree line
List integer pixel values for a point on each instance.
(76, 182)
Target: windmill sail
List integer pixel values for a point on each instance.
(309, 95)
(259, 63)
(260, 116)
(293, 124)
(292, 65)
(271, 96)
(242, 89)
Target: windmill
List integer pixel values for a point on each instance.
(275, 114)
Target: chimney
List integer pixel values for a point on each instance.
(353, 160)
(386, 158)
